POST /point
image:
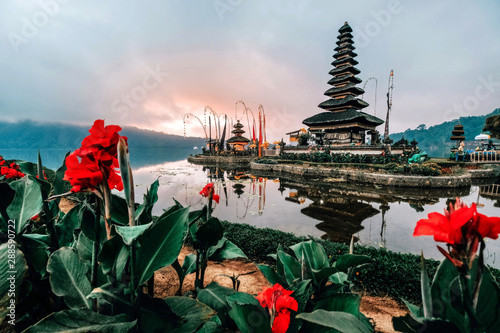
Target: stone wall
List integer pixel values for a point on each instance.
(375, 178)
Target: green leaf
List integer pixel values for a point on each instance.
(156, 315)
(84, 246)
(66, 227)
(210, 327)
(115, 295)
(291, 267)
(227, 250)
(241, 298)
(59, 185)
(68, 277)
(27, 202)
(414, 310)
(143, 213)
(87, 224)
(193, 312)
(488, 305)
(341, 321)
(129, 234)
(351, 260)
(314, 255)
(250, 318)
(82, 320)
(37, 251)
(426, 289)
(119, 210)
(214, 295)
(272, 276)
(161, 244)
(189, 264)
(114, 253)
(444, 291)
(209, 233)
(39, 166)
(12, 270)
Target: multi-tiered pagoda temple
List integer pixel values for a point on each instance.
(238, 141)
(343, 123)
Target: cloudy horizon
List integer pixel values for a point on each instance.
(147, 65)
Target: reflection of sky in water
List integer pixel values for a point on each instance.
(269, 203)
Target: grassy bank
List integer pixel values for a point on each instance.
(393, 274)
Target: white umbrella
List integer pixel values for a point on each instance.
(482, 137)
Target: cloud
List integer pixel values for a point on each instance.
(93, 61)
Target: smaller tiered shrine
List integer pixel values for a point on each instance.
(238, 141)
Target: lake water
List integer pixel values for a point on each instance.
(376, 216)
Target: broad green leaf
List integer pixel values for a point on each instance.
(59, 185)
(272, 276)
(156, 315)
(241, 298)
(37, 251)
(341, 321)
(28, 168)
(161, 244)
(414, 310)
(314, 254)
(82, 320)
(68, 277)
(88, 225)
(27, 202)
(209, 233)
(119, 210)
(66, 227)
(346, 302)
(143, 213)
(129, 234)
(444, 291)
(250, 318)
(189, 264)
(193, 312)
(12, 272)
(228, 250)
(214, 295)
(114, 253)
(488, 305)
(351, 260)
(115, 295)
(291, 267)
(84, 246)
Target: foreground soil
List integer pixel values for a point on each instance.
(379, 309)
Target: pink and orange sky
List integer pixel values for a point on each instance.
(147, 64)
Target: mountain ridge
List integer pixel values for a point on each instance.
(28, 134)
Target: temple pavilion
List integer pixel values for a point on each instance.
(343, 123)
(238, 141)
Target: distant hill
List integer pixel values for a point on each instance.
(435, 140)
(29, 134)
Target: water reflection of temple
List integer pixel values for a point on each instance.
(342, 207)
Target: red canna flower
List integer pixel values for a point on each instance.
(10, 171)
(96, 161)
(83, 173)
(208, 192)
(279, 303)
(462, 228)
